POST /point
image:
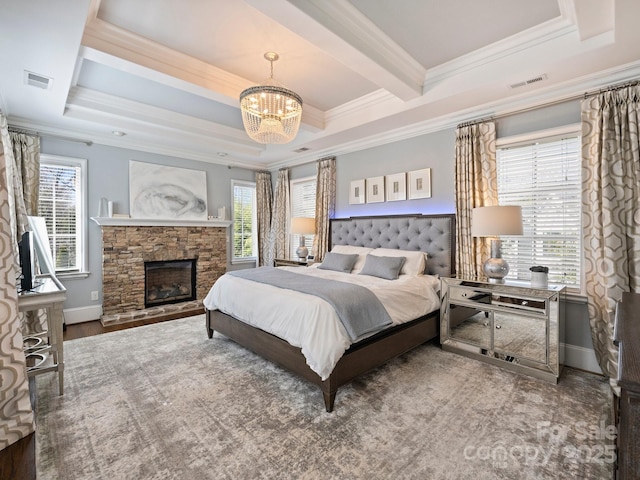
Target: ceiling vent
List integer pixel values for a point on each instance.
(37, 80)
(537, 79)
(300, 150)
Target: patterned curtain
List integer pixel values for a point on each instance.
(26, 187)
(16, 416)
(26, 153)
(279, 239)
(476, 186)
(325, 204)
(264, 199)
(610, 213)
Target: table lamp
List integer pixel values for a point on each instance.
(303, 226)
(493, 222)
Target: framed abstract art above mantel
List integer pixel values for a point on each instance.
(419, 184)
(159, 191)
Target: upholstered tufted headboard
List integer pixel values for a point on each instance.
(432, 234)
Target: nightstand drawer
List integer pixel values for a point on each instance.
(480, 297)
(520, 303)
(285, 262)
(468, 294)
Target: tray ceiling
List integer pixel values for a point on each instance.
(168, 73)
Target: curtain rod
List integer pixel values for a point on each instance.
(12, 129)
(552, 102)
(618, 86)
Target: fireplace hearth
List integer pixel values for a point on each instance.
(170, 281)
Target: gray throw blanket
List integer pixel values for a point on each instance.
(358, 308)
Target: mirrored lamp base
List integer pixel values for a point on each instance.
(302, 252)
(496, 267)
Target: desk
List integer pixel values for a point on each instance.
(45, 348)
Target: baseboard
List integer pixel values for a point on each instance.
(581, 357)
(82, 314)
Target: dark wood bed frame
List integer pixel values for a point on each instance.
(358, 359)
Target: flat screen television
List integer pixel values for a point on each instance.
(27, 262)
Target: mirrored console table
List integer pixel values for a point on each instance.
(513, 326)
(44, 351)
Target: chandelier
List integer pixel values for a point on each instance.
(271, 113)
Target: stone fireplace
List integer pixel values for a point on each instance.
(129, 244)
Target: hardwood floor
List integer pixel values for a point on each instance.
(18, 460)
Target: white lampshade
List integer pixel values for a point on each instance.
(303, 225)
(496, 220)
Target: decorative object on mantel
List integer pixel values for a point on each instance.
(271, 113)
(539, 276)
(494, 221)
(356, 192)
(158, 191)
(375, 189)
(396, 187)
(419, 184)
(103, 207)
(303, 226)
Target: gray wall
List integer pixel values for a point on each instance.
(108, 176)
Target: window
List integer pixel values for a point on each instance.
(245, 240)
(543, 176)
(62, 203)
(303, 204)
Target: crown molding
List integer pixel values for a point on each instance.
(90, 100)
(128, 52)
(530, 38)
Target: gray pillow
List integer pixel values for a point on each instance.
(383, 267)
(340, 262)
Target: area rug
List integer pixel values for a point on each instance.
(163, 401)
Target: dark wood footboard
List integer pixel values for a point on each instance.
(361, 357)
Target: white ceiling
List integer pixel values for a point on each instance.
(168, 73)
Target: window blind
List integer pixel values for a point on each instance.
(544, 178)
(303, 204)
(59, 204)
(244, 221)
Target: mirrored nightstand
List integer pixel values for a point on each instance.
(516, 327)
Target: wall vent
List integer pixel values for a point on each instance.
(37, 80)
(537, 79)
(300, 150)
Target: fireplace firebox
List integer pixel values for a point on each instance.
(170, 281)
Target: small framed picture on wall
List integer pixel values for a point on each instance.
(375, 189)
(420, 184)
(396, 187)
(356, 192)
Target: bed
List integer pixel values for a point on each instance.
(431, 234)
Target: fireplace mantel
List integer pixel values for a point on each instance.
(158, 222)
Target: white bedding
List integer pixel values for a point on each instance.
(310, 323)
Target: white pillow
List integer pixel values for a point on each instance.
(414, 264)
(351, 249)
